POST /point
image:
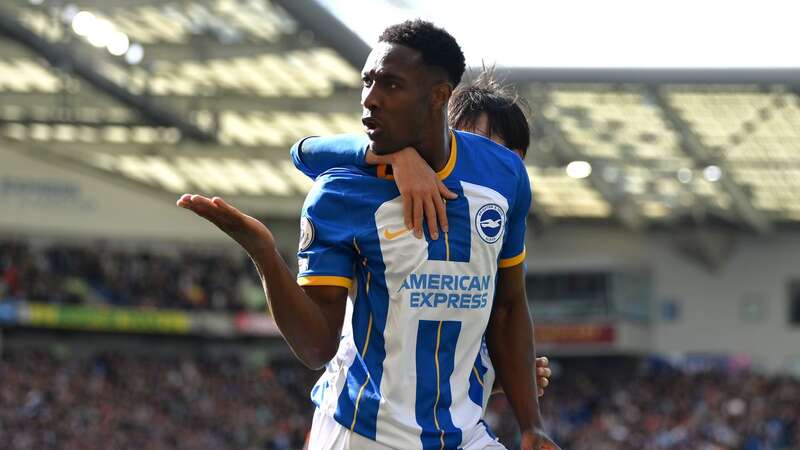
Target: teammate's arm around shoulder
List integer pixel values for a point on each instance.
(423, 192)
(309, 318)
(421, 189)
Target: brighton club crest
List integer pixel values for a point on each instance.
(306, 233)
(490, 221)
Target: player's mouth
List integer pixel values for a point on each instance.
(372, 125)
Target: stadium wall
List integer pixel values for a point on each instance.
(740, 309)
(44, 197)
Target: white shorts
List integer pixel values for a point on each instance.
(327, 434)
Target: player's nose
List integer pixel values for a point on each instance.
(370, 98)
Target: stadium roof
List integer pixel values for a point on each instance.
(207, 96)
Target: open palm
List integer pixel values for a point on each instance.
(248, 231)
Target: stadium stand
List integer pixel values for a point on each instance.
(162, 97)
(186, 402)
(98, 275)
(219, 90)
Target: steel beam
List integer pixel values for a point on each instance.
(703, 157)
(624, 207)
(66, 58)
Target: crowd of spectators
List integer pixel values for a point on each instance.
(149, 402)
(114, 401)
(97, 274)
(615, 409)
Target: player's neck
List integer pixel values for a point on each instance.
(435, 147)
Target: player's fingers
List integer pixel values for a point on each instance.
(224, 206)
(204, 211)
(543, 372)
(198, 199)
(430, 216)
(441, 212)
(543, 382)
(408, 212)
(444, 192)
(542, 361)
(183, 200)
(417, 208)
(209, 210)
(540, 392)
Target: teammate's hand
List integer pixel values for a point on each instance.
(537, 440)
(246, 230)
(543, 373)
(421, 189)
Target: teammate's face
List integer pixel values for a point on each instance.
(482, 128)
(396, 98)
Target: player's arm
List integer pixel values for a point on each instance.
(509, 334)
(511, 349)
(421, 189)
(309, 318)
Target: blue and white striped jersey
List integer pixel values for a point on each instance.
(408, 372)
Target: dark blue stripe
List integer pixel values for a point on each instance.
(426, 400)
(476, 387)
(459, 236)
(375, 305)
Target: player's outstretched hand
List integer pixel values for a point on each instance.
(543, 373)
(421, 189)
(537, 440)
(246, 230)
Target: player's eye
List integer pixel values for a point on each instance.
(366, 82)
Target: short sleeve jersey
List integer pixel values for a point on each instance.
(408, 371)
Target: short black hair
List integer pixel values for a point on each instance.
(437, 46)
(505, 116)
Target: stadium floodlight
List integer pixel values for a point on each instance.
(712, 173)
(579, 169)
(82, 23)
(684, 175)
(100, 33)
(118, 44)
(135, 54)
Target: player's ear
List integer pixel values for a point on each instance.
(441, 94)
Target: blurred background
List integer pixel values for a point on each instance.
(663, 246)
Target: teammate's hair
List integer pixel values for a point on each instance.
(437, 46)
(504, 111)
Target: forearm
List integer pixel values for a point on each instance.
(301, 321)
(511, 349)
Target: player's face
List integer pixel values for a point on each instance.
(396, 98)
(482, 128)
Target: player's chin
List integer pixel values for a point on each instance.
(385, 146)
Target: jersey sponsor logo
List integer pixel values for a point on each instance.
(306, 233)
(490, 221)
(438, 290)
(391, 235)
